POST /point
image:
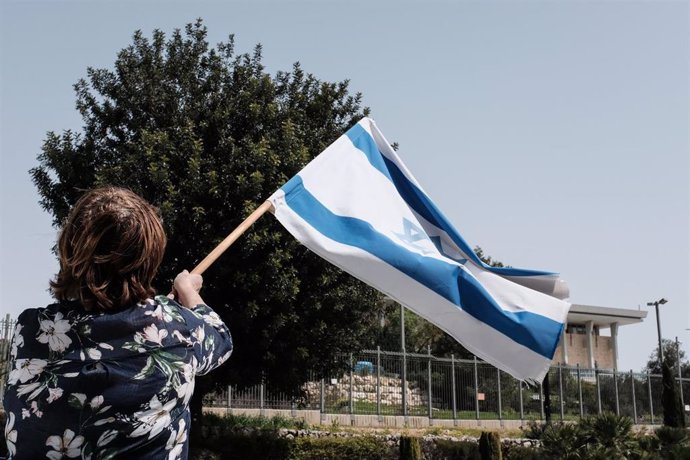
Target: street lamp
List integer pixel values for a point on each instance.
(658, 324)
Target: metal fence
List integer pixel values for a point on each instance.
(395, 383)
(6, 331)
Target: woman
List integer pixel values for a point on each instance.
(108, 370)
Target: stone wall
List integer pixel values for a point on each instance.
(364, 389)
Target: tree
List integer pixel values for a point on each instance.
(671, 353)
(670, 393)
(207, 135)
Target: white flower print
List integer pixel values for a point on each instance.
(160, 314)
(106, 437)
(54, 333)
(199, 334)
(96, 402)
(26, 369)
(155, 419)
(18, 339)
(10, 434)
(224, 358)
(176, 441)
(178, 335)
(67, 445)
(32, 389)
(186, 389)
(93, 353)
(155, 335)
(34, 409)
(53, 394)
(214, 320)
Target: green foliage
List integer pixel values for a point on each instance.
(534, 430)
(609, 435)
(206, 135)
(672, 352)
(460, 450)
(410, 449)
(669, 436)
(237, 421)
(562, 440)
(521, 453)
(490, 446)
(327, 448)
(670, 398)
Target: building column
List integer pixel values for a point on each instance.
(614, 344)
(589, 326)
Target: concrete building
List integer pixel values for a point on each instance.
(583, 343)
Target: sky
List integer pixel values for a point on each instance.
(553, 134)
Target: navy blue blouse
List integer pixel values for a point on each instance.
(108, 385)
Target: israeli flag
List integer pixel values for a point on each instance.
(358, 206)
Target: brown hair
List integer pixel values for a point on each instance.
(110, 248)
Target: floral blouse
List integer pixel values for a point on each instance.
(108, 385)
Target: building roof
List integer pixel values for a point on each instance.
(604, 316)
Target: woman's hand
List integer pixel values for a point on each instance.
(186, 289)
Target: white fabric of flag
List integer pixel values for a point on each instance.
(358, 206)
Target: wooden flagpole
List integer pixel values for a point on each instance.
(231, 238)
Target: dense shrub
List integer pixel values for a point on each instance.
(490, 446)
(234, 421)
(410, 448)
(562, 441)
(456, 450)
(521, 453)
(331, 448)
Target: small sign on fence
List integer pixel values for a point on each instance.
(480, 397)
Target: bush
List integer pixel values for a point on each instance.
(521, 453)
(233, 422)
(534, 430)
(490, 446)
(609, 435)
(410, 448)
(562, 440)
(462, 450)
(329, 448)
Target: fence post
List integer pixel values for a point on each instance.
(428, 350)
(651, 405)
(632, 384)
(615, 387)
(352, 402)
(476, 390)
(522, 409)
(230, 397)
(262, 411)
(378, 382)
(404, 363)
(500, 406)
(596, 375)
(560, 389)
(541, 399)
(452, 384)
(579, 390)
(322, 401)
(680, 378)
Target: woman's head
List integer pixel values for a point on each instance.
(110, 248)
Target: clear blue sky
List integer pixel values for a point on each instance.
(553, 134)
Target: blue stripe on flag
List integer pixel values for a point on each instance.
(536, 332)
(419, 202)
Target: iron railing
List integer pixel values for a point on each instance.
(396, 383)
